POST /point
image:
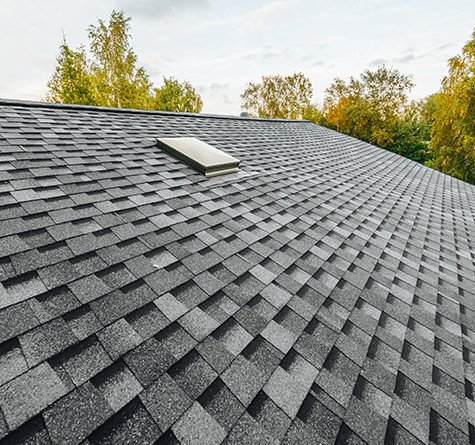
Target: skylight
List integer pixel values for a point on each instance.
(200, 156)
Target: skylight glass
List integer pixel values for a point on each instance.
(200, 156)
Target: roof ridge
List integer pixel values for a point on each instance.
(53, 105)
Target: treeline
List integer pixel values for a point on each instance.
(438, 131)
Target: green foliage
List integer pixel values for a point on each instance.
(71, 82)
(408, 141)
(375, 108)
(285, 97)
(118, 81)
(111, 77)
(314, 114)
(453, 132)
(369, 108)
(176, 96)
(412, 131)
(426, 114)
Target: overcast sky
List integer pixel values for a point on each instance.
(219, 45)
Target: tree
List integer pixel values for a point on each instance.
(426, 114)
(412, 131)
(111, 77)
(71, 82)
(176, 96)
(453, 132)
(314, 113)
(118, 81)
(370, 107)
(278, 96)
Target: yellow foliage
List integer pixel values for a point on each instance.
(453, 132)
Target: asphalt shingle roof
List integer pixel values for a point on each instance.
(323, 294)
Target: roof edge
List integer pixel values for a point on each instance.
(54, 105)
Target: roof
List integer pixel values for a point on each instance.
(322, 294)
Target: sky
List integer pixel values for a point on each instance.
(220, 45)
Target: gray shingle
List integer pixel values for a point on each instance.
(119, 338)
(117, 385)
(196, 426)
(280, 337)
(148, 361)
(53, 303)
(12, 361)
(323, 301)
(20, 289)
(83, 360)
(29, 394)
(89, 288)
(214, 352)
(132, 424)
(198, 324)
(192, 374)
(170, 306)
(15, 320)
(175, 340)
(74, 417)
(223, 406)
(46, 340)
(248, 432)
(147, 320)
(268, 415)
(165, 401)
(33, 431)
(234, 337)
(322, 423)
(58, 274)
(276, 296)
(82, 322)
(243, 379)
(11, 245)
(287, 391)
(119, 303)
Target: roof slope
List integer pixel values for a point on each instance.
(324, 294)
